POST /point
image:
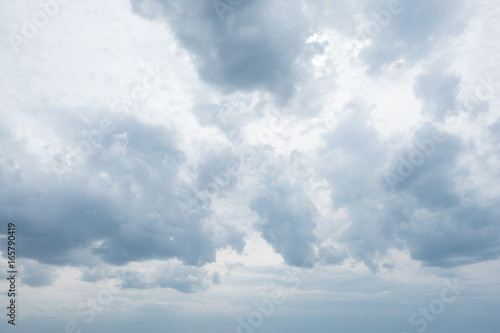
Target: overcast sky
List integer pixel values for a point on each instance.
(251, 166)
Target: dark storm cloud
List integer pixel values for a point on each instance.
(255, 46)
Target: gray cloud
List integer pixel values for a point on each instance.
(438, 93)
(424, 212)
(454, 237)
(183, 279)
(37, 275)
(188, 208)
(216, 173)
(495, 130)
(411, 34)
(251, 49)
(287, 220)
(128, 199)
(353, 152)
(118, 203)
(428, 167)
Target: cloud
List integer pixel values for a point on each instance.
(182, 193)
(352, 150)
(251, 49)
(286, 220)
(169, 275)
(426, 167)
(216, 173)
(438, 93)
(37, 275)
(247, 150)
(353, 153)
(455, 237)
(117, 201)
(421, 208)
(410, 33)
(495, 130)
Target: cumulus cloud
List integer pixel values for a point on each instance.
(250, 48)
(285, 133)
(438, 93)
(405, 194)
(453, 237)
(408, 32)
(116, 200)
(286, 218)
(216, 173)
(37, 275)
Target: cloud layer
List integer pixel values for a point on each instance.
(201, 153)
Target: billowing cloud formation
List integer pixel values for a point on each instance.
(112, 197)
(407, 30)
(165, 160)
(353, 154)
(285, 82)
(438, 93)
(445, 223)
(184, 279)
(406, 195)
(37, 275)
(244, 48)
(287, 221)
(215, 172)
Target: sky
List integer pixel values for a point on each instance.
(251, 166)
